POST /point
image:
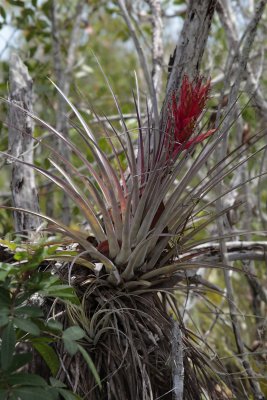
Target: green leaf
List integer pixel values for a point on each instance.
(68, 395)
(54, 325)
(42, 339)
(33, 393)
(21, 255)
(70, 346)
(91, 365)
(4, 316)
(3, 320)
(27, 326)
(10, 245)
(73, 333)
(49, 356)
(62, 291)
(56, 383)
(3, 275)
(19, 360)
(26, 380)
(31, 311)
(5, 270)
(5, 299)
(8, 345)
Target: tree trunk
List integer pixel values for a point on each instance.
(23, 188)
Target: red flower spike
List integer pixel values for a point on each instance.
(184, 114)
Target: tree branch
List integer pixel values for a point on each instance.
(192, 42)
(177, 362)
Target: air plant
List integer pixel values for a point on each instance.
(142, 222)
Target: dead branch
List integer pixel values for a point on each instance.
(23, 188)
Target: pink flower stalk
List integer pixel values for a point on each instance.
(183, 116)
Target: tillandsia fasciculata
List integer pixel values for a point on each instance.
(144, 210)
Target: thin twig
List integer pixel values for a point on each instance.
(177, 361)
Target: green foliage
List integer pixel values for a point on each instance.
(23, 326)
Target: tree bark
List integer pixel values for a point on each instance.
(192, 42)
(23, 188)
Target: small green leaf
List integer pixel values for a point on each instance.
(68, 395)
(54, 325)
(5, 270)
(73, 333)
(27, 325)
(49, 356)
(91, 365)
(56, 383)
(10, 245)
(64, 294)
(25, 379)
(70, 346)
(31, 311)
(21, 255)
(58, 288)
(8, 346)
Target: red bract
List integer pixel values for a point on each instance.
(183, 115)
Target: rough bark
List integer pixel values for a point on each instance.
(23, 188)
(189, 50)
(192, 41)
